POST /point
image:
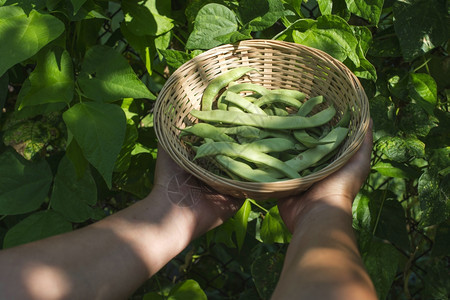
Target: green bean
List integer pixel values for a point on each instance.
(243, 103)
(248, 87)
(290, 93)
(309, 105)
(278, 98)
(205, 130)
(219, 83)
(303, 137)
(243, 170)
(268, 122)
(236, 150)
(313, 155)
(271, 145)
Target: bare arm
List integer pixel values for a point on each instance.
(113, 257)
(323, 261)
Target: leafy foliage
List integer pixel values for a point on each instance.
(77, 84)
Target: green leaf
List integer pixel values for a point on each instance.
(423, 89)
(51, 81)
(331, 34)
(394, 169)
(106, 76)
(380, 108)
(73, 196)
(433, 198)
(22, 36)
(23, 185)
(212, 22)
(189, 289)
(421, 25)
(325, 6)
(37, 226)
(436, 281)
(143, 18)
(366, 9)
(392, 224)
(401, 149)
(260, 14)
(385, 44)
(241, 221)
(273, 229)
(30, 137)
(381, 260)
(175, 58)
(77, 4)
(266, 270)
(99, 129)
(124, 159)
(415, 120)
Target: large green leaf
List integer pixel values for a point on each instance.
(401, 149)
(51, 81)
(241, 221)
(423, 89)
(433, 196)
(189, 289)
(22, 36)
(273, 229)
(4, 80)
(331, 34)
(23, 185)
(211, 23)
(260, 14)
(144, 18)
(99, 129)
(381, 260)
(394, 169)
(421, 25)
(37, 226)
(415, 120)
(366, 9)
(106, 76)
(72, 195)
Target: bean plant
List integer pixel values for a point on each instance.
(78, 81)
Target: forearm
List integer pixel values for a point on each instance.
(322, 261)
(106, 260)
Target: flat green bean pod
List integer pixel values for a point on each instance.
(205, 130)
(243, 170)
(311, 156)
(271, 145)
(309, 105)
(248, 87)
(267, 122)
(243, 103)
(219, 83)
(234, 150)
(290, 93)
(278, 98)
(303, 137)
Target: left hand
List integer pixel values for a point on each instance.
(184, 191)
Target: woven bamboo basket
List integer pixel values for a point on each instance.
(280, 65)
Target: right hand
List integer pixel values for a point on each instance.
(338, 189)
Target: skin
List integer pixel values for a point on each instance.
(322, 260)
(110, 259)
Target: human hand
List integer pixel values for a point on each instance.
(339, 189)
(183, 191)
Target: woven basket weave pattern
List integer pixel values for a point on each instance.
(279, 65)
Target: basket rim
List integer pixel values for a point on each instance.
(267, 187)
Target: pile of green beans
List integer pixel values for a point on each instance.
(257, 134)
